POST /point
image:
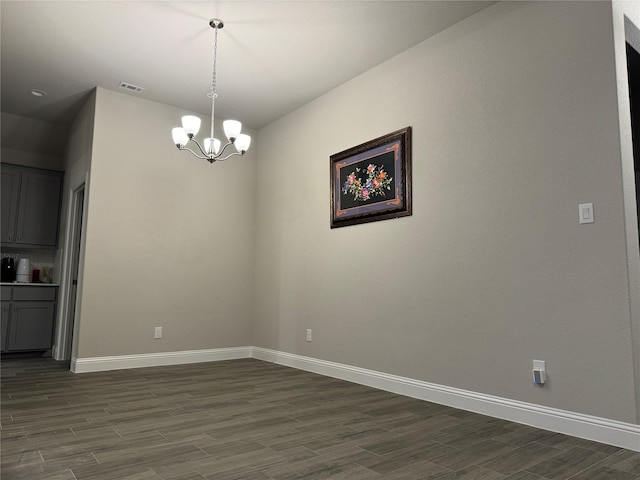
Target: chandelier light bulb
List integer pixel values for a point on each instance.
(191, 125)
(232, 129)
(242, 143)
(180, 137)
(213, 148)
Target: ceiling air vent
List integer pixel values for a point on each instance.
(131, 88)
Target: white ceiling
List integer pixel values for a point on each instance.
(273, 56)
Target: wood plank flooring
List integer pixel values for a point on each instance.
(253, 420)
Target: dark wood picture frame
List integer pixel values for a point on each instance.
(372, 181)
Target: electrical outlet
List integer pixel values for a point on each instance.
(308, 334)
(539, 372)
(539, 365)
(157, 333)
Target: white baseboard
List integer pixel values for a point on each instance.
(612, 432)
(100, 364)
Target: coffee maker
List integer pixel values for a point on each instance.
(8, 269)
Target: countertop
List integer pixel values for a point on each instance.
(19, 284)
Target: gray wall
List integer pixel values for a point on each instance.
(169, 238)
(514, 116)
(31, 142)
(77, 169)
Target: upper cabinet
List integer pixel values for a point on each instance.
(31, 201)
(10, 192)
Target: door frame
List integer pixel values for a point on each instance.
(626, 28)
(72, 255)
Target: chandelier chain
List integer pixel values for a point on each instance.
(214, 87)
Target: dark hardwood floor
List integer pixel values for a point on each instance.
(253, 420)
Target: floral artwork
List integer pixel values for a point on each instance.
(376, 183)
(372, 181)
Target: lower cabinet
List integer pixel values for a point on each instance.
(4, 330)
(28, 318)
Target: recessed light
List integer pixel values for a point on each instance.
(37, 93)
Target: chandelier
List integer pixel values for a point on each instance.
(191, 124)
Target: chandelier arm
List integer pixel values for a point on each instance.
(230, 155)
(219, 154)
(193, 139)
(193, 153)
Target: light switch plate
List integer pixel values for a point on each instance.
(586, 212)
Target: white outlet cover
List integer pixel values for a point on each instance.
(539, 365)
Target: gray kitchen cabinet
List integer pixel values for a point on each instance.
(31, 326)
(4, 329)
(31, 200)
(10, 190)
(29, 315)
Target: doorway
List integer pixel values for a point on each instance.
(69, 281)
(627, 43)
(633, 72)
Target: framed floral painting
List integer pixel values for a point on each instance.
(372, 181)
